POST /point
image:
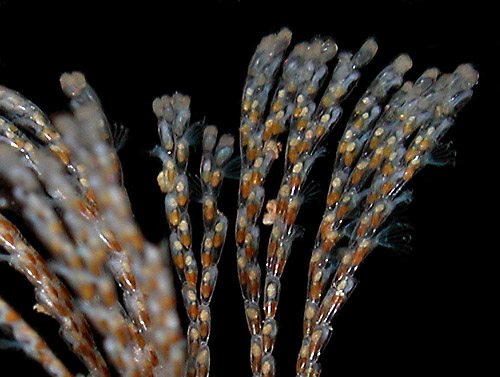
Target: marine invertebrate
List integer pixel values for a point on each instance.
(65, 177)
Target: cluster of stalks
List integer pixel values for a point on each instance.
(95, 269)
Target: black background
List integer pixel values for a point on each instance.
(424, 311)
